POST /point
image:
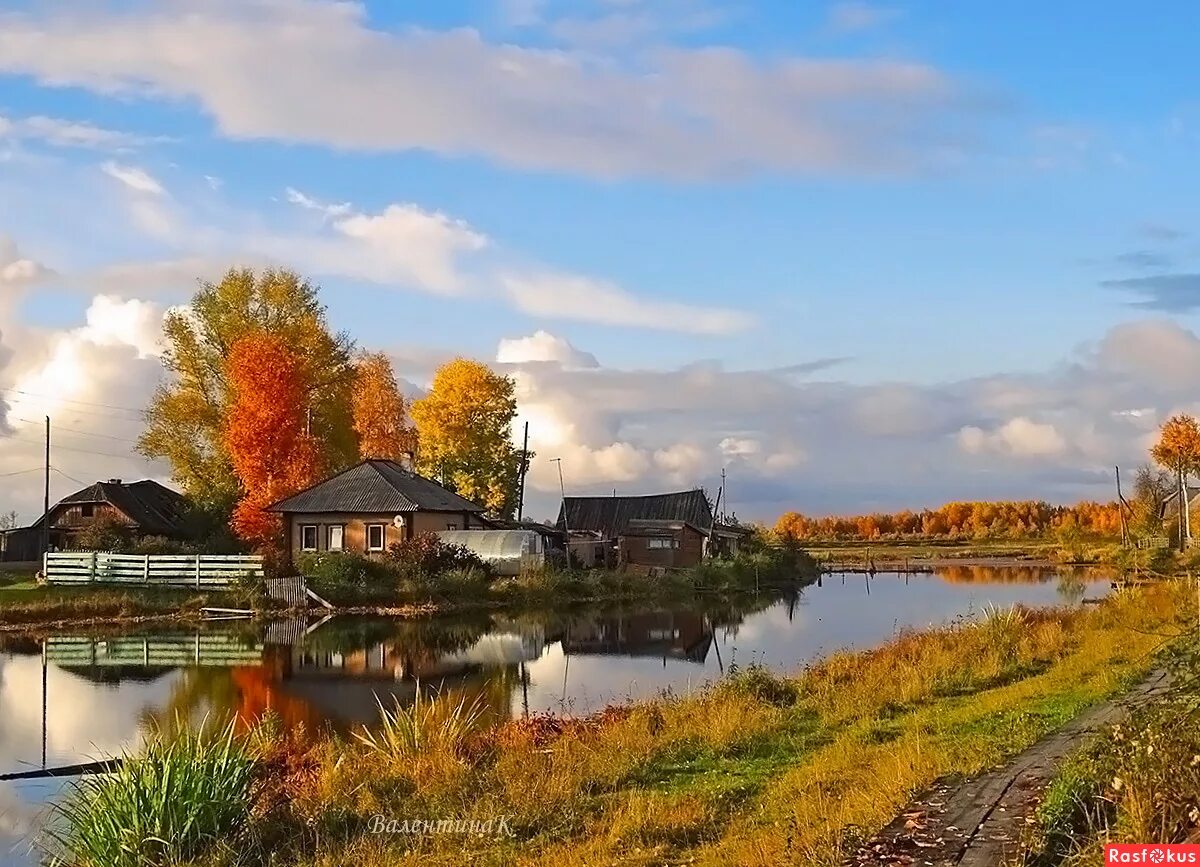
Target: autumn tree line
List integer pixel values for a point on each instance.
(264, 399)
(957, 520)
(1146, 512)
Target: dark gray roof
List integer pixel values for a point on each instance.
(153, 507)
(376, 486)
(608, 516)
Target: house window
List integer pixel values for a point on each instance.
(374, 537)
(87, 510)
(662, 544)
(337, 538)
(308, 537)
(452, 526)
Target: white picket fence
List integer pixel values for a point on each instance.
(176, 570)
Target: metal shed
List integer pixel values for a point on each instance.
(509, 552)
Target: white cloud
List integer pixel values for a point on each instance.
(542, 346)
(61, 132)
(298, 198)
(571, 296)
(1020, 436)
(136, 179)
(675, 112)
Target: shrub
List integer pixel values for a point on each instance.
(426, 557)
(171, 804)
(347, 578)
(105, 533)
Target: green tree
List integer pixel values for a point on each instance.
(186, 418)
(464, 428)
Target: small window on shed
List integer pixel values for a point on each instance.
(87, 510)
(452, 526)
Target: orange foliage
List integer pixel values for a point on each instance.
(271, 453)
(380, 416)
(958, 520)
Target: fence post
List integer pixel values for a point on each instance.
(197, 571)
(92, 576)
(146, 571)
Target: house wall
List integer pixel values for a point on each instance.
(71, 517)
(637, 550)
(355, 523)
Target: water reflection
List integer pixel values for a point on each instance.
(87, 698)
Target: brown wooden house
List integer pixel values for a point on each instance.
(144, 508)
(370, 506)
(664, 530)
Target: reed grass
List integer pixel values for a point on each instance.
(179, 799)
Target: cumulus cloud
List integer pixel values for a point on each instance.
(136, 179)
(790, 442)
(542, 346)
(91, 380)
(674, 112)
(1019, 436)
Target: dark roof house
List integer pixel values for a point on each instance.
(376, 486)
(608, 517)
(370, 507)
(152, 508)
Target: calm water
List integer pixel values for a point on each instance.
(76, 699)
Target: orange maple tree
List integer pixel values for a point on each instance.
(265, 432)
(380, 414)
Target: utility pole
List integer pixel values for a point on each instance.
(46, 500)
(524, 470)
(726, 490)
(563, 491)
(1121, 511)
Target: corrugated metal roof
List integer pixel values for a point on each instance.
(153, 507)
(608, 516)
(376, 486)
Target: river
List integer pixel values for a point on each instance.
(72, 698)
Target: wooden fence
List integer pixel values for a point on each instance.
(216, 650)
(154, 570)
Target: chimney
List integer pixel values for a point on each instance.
(114, 481)
(406, 461)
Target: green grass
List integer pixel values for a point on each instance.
(758, 770)
(183, 797)
(28, 604)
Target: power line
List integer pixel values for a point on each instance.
(139, 411)
(59, 427)
(127, 457)
(68, 476)
(19, 472)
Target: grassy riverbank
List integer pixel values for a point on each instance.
(757, 770)
(25, 605)
(1136, 782)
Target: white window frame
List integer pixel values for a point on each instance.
(316, 531)
(341, 545)
(382, 538)
(660, 544)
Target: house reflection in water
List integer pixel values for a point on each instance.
(346, 686)
(680, 635)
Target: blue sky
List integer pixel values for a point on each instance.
(911, 199)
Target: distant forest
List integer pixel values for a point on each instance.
(959, 520)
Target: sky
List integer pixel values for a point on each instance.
(861, 256)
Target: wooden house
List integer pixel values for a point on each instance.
(370, 506)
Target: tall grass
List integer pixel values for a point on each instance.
(173, 802)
